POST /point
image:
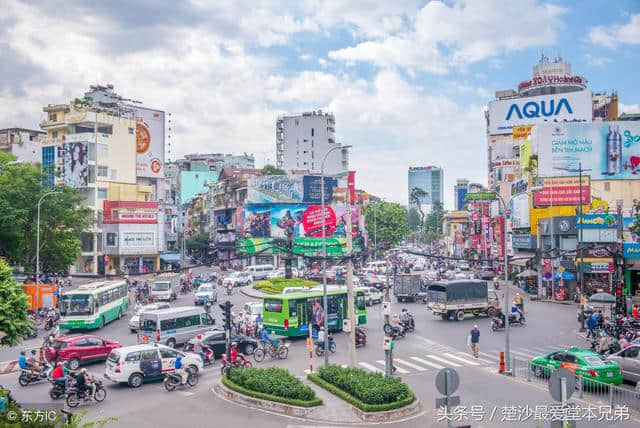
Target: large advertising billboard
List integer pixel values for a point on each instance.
(76, 164)
(264, 221)
(562, 191)
(149, 142)
(608, 150)
(270, 189)
(505, 114)
(301, 246)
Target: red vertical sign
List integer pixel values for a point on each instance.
(351, 184)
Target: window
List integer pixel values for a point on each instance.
(133, 356)
(150, 355)
(168, 324)
(111, 239)
(272, 305)
(103, 193)
(130, 130)
(86, 242)
(92, 174)
(103, 171)
(94, 341)
(313, 165)
(81, 343)
(312, 132)
(206, 319)
(607, 186)
(296, 122)
(53, 117)
(54, 134)
(103, 152)
(114, 174)
(167, 353)
(311, 143)
(631, 352)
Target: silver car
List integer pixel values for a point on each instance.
(629, 361)
(206, 291)
(134, 322)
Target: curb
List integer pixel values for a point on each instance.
(252, 295)
(9, 366)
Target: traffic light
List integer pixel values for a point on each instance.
(619, 289)
(226, 314)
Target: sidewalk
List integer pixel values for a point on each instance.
(334, 410)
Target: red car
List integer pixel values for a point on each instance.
(80, 349)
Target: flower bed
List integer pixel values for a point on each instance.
(369, 392)
(276, 285)
(273, 384)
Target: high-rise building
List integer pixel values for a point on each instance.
(430, 180)
(460, 191)
(23, 143)
(303, 140)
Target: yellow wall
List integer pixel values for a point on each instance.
(129, 192)
(122, 148)
(627, 190)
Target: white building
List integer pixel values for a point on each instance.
(302, 141)
(23, 143)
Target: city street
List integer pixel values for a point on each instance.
(418, 357)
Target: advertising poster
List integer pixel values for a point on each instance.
(262, 221)
(505, 114)
(610, 150)
(301, 246)
(149, 142)
(76, 164)
(562, 191)
(275, 188)
(313, 191)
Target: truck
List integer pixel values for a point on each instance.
(456, 299)
(407, 287)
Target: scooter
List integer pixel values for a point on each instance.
(208, 357)
(32, 334)
(173, 380)
(409, 325)
(361, 337)
(27, 377)
(74, 396)
(395, 332)
(239, 362)
(58, 389)
(320, 346)
(497, 324)
(207, 306)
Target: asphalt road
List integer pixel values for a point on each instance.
(434, 344)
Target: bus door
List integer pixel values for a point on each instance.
(303, 316)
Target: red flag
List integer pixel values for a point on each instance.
(351, 184)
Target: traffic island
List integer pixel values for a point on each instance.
(273, 389)
(372, 396)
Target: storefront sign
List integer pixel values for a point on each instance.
(632, 250)
(521, 132)
(522, 241)
(137, 239)
(599, 251)
(562, 191)
(505, 162)
(135, 216)
(480, 196)
(597, 221)
(538, 81)
(595, 267)
(561, 226)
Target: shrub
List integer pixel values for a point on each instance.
(276, 285)
(272, 380)
(368, 387)
(262, 396)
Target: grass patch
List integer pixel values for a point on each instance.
(269, 397)
(369, 392)
(276, 285)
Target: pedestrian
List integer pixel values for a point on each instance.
(591, 325)
(634, 312)
(474, 339)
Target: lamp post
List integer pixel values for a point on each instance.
(38, 246)
(325, 307)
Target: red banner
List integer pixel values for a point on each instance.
(312, 221)
(562, 195)
(351, 184)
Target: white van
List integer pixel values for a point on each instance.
(259, 272)
(141, 363)
(165, 287)
(380, 266)
(174, 326)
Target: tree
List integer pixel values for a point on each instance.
(390, 222)
(63, 218)
(433, 223)
(273, 170)
(634, 227)
(198, 243)
(14, 321)
(413, 219)
(415, 197)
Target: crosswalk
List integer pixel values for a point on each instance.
(438, 356)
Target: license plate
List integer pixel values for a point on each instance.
(609, 374)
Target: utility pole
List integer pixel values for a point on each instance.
(540, 264)
(387, 320)
(350, 295)
(620, 261)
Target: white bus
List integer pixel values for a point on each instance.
(93, 305)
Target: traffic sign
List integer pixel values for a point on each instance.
(447, 381)
(480, 196)
(451, 401)
(555, 384)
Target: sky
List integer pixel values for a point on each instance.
(407, 80)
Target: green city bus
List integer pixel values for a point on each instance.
(93, 305)
(290, 314)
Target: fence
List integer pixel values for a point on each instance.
(585, 387)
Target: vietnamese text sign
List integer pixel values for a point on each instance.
(521, 132)
(480, 196)
(312, 189)
(563, 191)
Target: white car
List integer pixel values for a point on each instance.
(137, 364)
(206, 291)
(372, 295)
(280, 273)
(254, 309)
(134, 322)
(237, 279)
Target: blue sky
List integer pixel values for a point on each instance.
(408, 80)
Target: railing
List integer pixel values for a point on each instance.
(605, 393)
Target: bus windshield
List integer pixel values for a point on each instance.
(161, 286)
(76, 304)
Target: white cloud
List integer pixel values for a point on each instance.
(615, 35)
(465, 32)
(628, 108)
(597, 61)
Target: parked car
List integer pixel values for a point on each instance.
(237, 279)
(216, 340)
(80, 349)
(206, 291)
(137, 364)
(629, 361)
(372, 295)
(586, 363)
(134, 322)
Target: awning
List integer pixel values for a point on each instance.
(521, 258)
(170, 257)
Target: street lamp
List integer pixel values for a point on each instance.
(324, 256)
(38, 246)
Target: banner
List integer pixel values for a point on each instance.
(521, 132)
(275, 188)
(608, 150)
(149, 142)
(301, 246)
(313, 192)
(562, 191)
(76, 164)
(351, 184)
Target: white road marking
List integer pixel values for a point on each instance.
(476, 359)
(522, 354)
(539, 349)
(493, 357)
(429, 363)
(408, 364)
(472, 363)
(370, 367)
(398, 369)
(442, 360)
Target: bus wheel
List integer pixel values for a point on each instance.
(460, 315)
(171, 343)
(102, 321)
(119, 313)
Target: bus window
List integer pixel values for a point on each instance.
(360, 303)
(76, 304)
(272, 305)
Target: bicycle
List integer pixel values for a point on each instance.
(281, 351)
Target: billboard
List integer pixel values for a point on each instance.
(562, 191)
(313, 190)
(274, 188)
(301, 246)
(505, 114)
(520, 211)
(264, 221)
(610, 150)
(149, 142)
(461, 193)
(76, 164)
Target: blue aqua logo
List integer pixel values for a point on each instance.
(546, 108)
(630, 138)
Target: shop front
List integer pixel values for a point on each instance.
(632, 271)
(131, 249)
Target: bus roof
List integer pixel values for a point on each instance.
(96, 286)
(307, 294)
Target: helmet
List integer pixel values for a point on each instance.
(404, 310)
(234, 344)
(33, 352)
(83, 370)
(178, 357)
(22, 352)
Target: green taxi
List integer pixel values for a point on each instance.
(582, 362)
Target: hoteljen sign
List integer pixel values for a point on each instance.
(551, 80)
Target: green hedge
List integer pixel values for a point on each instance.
(276, 285)
(262, 396)
(274, 381)
(315, 378)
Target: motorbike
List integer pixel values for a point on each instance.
(184, 288)
(49, 324)
(27, 377)
(361, 337)
(229, 291)
(207, 306)
(497, 324)
(319, 346)
(173, 380)
(395, 332)
(32, 334)
(238, 363)
(409, 325)
(208, 358)
(75, 397)
(58, 389)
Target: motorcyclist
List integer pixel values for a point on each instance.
(320, 339)
(234, 353)
(83, 383)
(33, 363)
(22, 361)
(264, 338)
(406, 317)
(396, 324)
(59, 374)
(515, 311)
(180, 370)
(500, 316)
(517, 300)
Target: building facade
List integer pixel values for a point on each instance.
(302, 142)
(430, 179)
(22, 143)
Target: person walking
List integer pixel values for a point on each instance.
(474, 338)
(591, 325)
(634, 312)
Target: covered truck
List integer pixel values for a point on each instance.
(457, 298)
(407, 287)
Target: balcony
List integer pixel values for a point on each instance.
(88, 136)
(48, 124)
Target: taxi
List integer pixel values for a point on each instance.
(582, 362)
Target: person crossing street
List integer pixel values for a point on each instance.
(474, 340)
